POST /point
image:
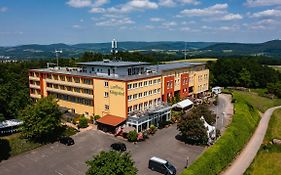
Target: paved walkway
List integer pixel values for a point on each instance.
(244, 160)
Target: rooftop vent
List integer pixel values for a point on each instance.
(106, 60)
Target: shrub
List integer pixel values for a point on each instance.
(83, 122)
(152, 129)
(218, 156)
(96, 117)
(132, 136)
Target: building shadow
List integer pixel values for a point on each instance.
(5, 149)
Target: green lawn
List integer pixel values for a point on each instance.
(268, 159)
(261, 103)
(14, 144)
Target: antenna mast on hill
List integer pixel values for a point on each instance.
(114, 50)
(57, 56)
(185, 51)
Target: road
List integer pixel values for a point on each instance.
(223, 110)
(58, 159)
(243, 161)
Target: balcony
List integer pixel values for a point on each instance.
(34, 78)
(35, 95)
(72, 84)
(71, 93)
(33, 86)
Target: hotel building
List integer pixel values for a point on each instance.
(131, 93)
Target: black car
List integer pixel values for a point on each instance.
(119, 146)
(66, 141)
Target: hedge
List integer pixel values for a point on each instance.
(221, 154)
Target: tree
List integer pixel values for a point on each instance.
(132, 136)
(83, 122)
(245, 78)
(111, 163)
(42, 120)
(192, 127)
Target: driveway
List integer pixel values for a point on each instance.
(59, 159)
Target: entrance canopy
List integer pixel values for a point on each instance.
(183, 104)
(111, 120)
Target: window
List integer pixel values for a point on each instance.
(135, 107)
(145, 83)
(87, 81)
(145, 105)
(130, 109)
(150, 82)
(155, 102)
(154, 81)
(150, 103)
(55, 77)
(154, 91)
(145, 94)
(77, 90)
(106, 107)
(150, 93)
(135, 85)
(159, 81)
(140, 95)
(106, 84)
(69, 79)
(69, 88)
(77, 80)
(140, 107)
(62, 78)
(129, 97)
(129, 86)
(135, 96)
(105, 94)
(158, 90)
(140, 84)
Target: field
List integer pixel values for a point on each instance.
(276, 68)
(268, 159)
(193, 60)
(259, 102)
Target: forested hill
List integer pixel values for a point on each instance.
(270, 48)
(47, 51)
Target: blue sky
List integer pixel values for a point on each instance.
(82, 21)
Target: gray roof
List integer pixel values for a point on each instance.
(92, 75)
(172, 66)
(113, 63)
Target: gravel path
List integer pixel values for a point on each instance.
(244, 160)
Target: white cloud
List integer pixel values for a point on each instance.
(99, 3)
(209, 11)
(256, 3)
(167, 3)
(76, 26)
(79, 3)
(185, 29)
(115, 22)
(194, 2)
(97, 10)
(149, 27)
(156, 19)
(3, 9)
(229, 28)
(231, 16)
(267, 14)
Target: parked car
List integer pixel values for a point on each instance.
(66, 141)
(119, 146)
(162, 166)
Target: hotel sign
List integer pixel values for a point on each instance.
(117, 90)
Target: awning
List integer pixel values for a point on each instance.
(183, 104)
(111, 120)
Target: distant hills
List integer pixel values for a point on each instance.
(32, 51)
(270, 48)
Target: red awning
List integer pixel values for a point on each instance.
(111, 120)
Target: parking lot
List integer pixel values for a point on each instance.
(70, 160)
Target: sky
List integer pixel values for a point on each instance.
(95, 21)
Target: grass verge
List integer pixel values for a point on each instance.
(218, 156)
(268, 159)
